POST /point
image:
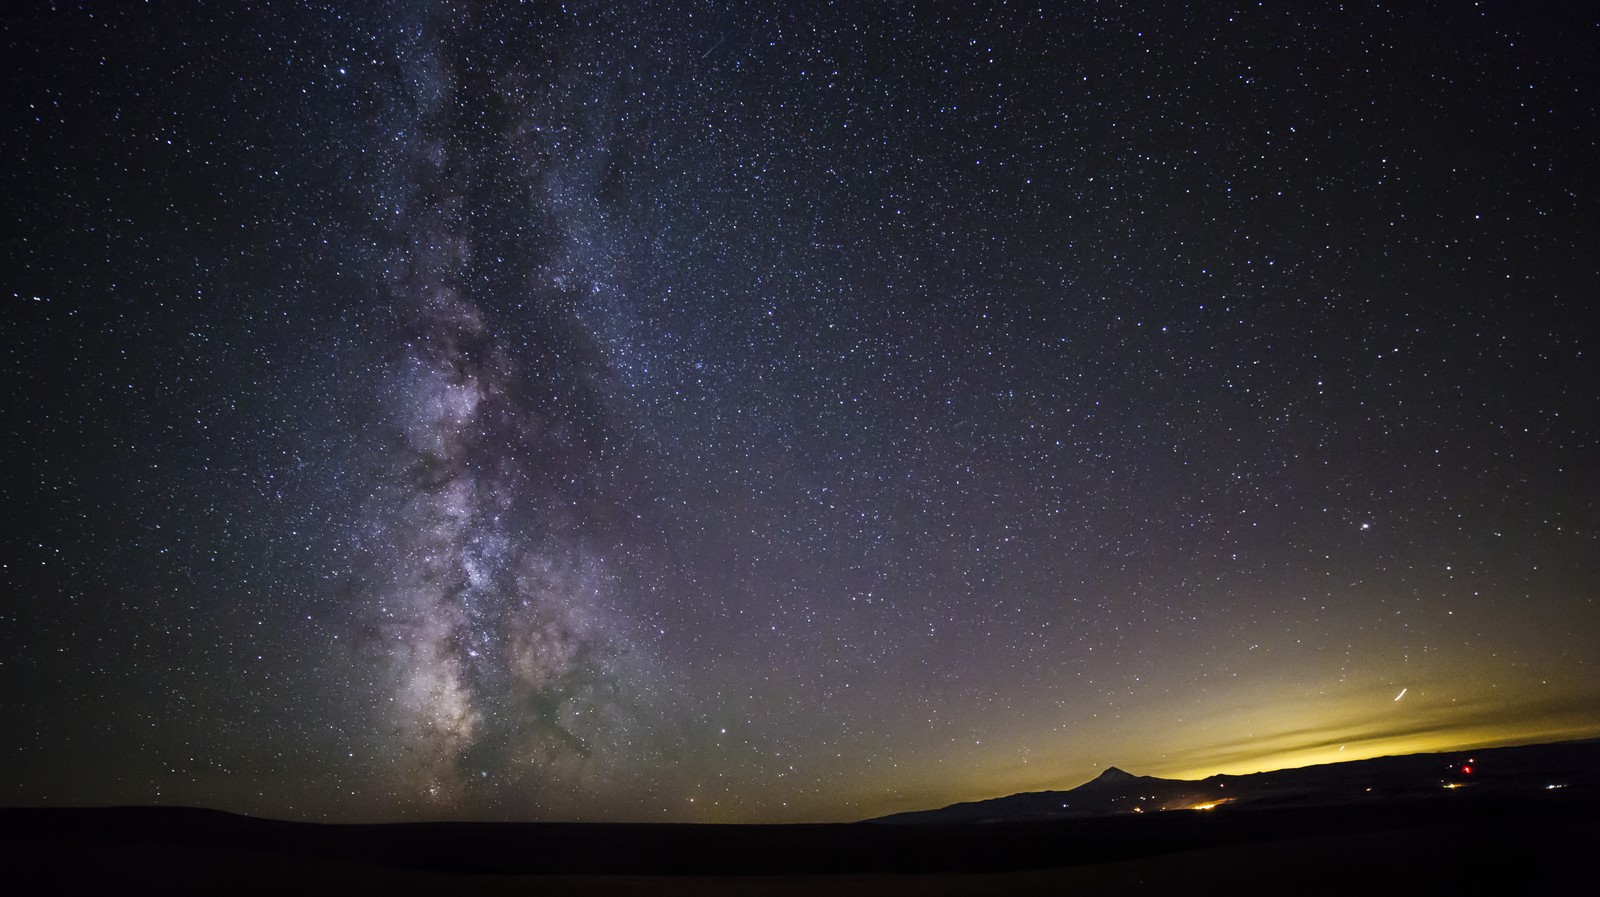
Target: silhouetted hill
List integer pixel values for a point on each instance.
(1511, 770)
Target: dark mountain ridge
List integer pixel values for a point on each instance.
(1512, 770)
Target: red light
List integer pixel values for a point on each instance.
(1467, 770)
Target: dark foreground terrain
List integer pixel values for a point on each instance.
(1510, 837)
(1470, 845)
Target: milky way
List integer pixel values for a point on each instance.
(514, 673)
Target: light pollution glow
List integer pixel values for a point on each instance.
(1274, 733)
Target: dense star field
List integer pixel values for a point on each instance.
(787, 412)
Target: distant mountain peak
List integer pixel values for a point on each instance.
(1112, 776)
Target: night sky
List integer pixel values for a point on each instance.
(762, 412)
